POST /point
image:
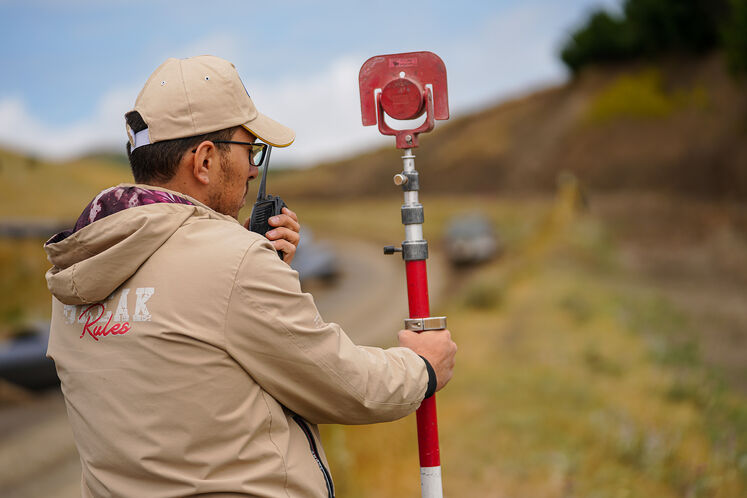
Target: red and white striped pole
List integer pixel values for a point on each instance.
(417, 297)
(406, 86)
(415, 252)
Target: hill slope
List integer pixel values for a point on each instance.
(677, 126)
(32, 188)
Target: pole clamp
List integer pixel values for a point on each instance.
(414, 250)
(408, 180)
(429, 323)
(412, 214)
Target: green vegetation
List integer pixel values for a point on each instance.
(642, 95)
(604, 38)
(650, 28)
(23, 291)
(735, 36)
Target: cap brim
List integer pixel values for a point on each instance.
(270, 131)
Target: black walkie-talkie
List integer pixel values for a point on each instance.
(267, 205)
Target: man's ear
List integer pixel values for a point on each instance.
(204, 161)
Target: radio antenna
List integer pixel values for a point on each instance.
(263, 182)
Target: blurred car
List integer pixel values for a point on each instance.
(19, 228)
(470, 239)
(23, 359)
(314, 260)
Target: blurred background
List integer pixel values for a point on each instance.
(586, 209)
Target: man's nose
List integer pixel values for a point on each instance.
(253, 172)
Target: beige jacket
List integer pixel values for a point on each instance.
(192, 363)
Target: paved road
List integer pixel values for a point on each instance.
(37, 453)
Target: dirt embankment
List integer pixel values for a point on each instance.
(675, 126)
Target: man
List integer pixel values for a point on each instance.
(190, 360)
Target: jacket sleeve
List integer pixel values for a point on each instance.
(274, 331)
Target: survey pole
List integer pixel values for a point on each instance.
(407, 86)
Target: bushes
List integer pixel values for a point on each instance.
(735, 36)
(604, 39)
(649, 28)
(674, 25)
(642, 95)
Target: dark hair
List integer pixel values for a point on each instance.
(157, 162)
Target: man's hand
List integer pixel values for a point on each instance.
(435, 346)
(285, 235)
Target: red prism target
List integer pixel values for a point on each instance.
(404, 86)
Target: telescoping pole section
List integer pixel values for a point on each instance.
(415, 252)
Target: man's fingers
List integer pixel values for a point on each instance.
(290, 213)
(435, 346)
(405, 337)
(289, 250)
(284, 234)
(286, 220)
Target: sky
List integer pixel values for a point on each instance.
(70, 70)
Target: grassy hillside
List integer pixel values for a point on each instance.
(678, 126)
(33, 188)
(576, 376)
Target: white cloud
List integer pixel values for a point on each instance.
(19, 129)
(501, 56)
(323, 109)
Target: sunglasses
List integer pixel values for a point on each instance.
(257, 150)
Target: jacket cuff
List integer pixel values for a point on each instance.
(432, 381)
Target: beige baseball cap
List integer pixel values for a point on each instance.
(188, 97)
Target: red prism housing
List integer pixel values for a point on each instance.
(404, 86)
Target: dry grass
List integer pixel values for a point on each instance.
(575, 378)
(31, 188)
(642, 95)
(23, 291)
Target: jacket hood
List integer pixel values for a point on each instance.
(117, 232)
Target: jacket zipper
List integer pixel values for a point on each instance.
(312, 444)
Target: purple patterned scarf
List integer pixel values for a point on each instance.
(114, 200)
